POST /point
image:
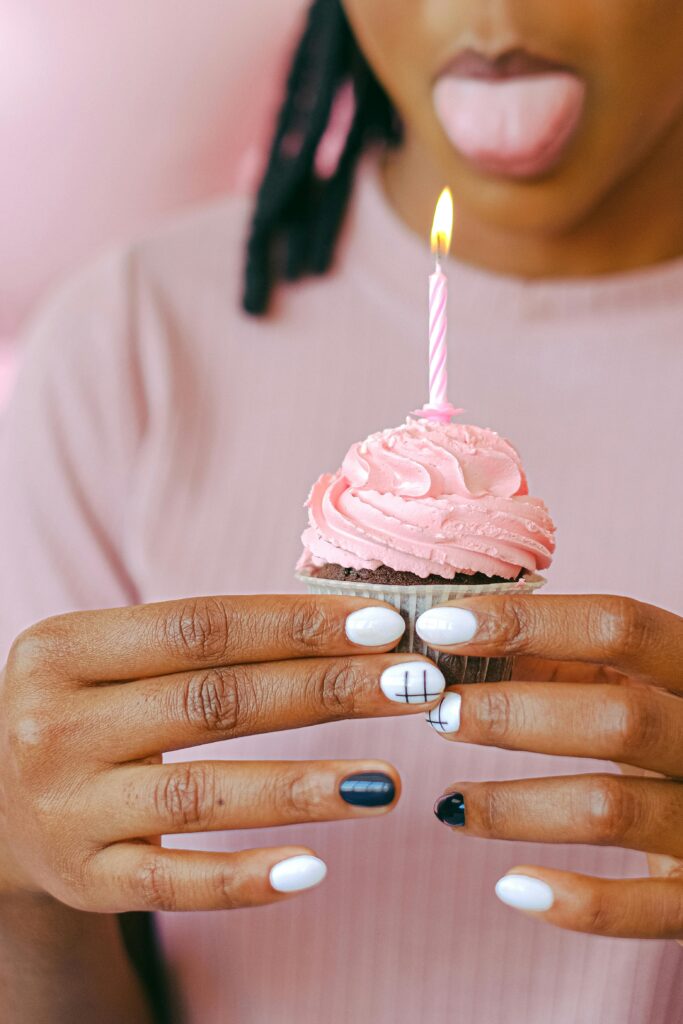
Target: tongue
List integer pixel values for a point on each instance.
(516, 126)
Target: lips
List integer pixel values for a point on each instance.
(511, 64)
(514, 116)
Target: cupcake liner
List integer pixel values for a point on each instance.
(411, 602)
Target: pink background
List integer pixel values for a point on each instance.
(114, 114)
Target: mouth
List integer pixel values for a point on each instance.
(514, 115)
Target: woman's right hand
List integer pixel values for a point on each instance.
(89, 701)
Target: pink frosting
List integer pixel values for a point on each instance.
(429, 497)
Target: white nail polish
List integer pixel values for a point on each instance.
(374, 626)
(525, 893)
(445, 717)
(297, 873)
(445, 626)
(412, 682)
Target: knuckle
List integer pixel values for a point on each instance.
(34, 735)
(611, 810)
(492, 810)
(514, 626)
(301, 796)
(27, 735)
(493, 714)
(153, 884)
(233, 888)
(632, 726)
(211, 700)
(31, 650)
(183, 797)
(311, 626)
(337, 687)
(618, 627)
(596, 916)
(197, 629)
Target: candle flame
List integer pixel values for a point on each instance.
(442, 227)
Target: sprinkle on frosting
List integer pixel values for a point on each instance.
(429, 497)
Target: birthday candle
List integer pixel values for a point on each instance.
(438, 407)
(442, 228)
(438, 347)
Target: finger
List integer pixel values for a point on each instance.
(599, 810)
(202, 796)
(545, 670)
(641, 908)
(175, 636)
(640, 726)
(629, 636)
(140, 876)
(174, 712)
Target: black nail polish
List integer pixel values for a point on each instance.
(368, 789)
(450, 809)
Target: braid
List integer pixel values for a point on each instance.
(298, 212)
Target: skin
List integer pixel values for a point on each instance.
(613, 202)
(88, 702)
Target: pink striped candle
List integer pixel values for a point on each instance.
(438, 341)
(439, 408)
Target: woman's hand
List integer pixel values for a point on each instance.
(603, 678)
(89, 701)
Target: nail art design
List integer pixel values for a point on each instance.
(450, 809)
(374, 626)
(368, 789)
(446, 626)
(525, 893)
(412, 682)
(445, 717)
(297, 873)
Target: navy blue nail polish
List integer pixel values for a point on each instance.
(450, 809)
(368, 789)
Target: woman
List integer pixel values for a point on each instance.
(160, 445)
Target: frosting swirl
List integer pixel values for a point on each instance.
(429, 497)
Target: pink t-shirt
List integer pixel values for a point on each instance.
(161, 444)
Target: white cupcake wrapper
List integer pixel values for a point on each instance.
(411, 602)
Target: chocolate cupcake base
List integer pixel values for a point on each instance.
(411, 600)
(386, 575)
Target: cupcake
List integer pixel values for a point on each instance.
(425, 513)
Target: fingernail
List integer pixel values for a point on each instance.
(450, 809)
(412, 682)
(368, 789)
(446, 626)
(374, 626)
(445, 717)
(297, 873)
(525, 893)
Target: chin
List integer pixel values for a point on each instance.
(552, 205)
(541, 208)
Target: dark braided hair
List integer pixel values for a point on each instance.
(298, 211)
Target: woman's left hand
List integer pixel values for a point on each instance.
(600, 677)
